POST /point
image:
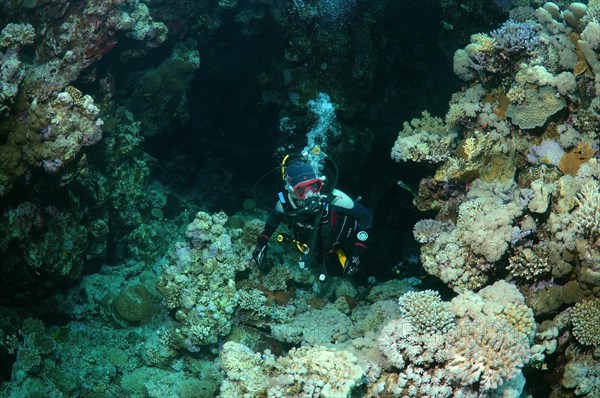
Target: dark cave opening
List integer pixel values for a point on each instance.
(234, 128)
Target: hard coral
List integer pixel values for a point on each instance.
(514, 37)
(16, 35)
(307, 372)
(586, 322)
(528, 262)
(426, 311)
(488, 351)
(417, 337)
(572, 160)
(538, 106)
(587, 215)
(198, 283)
(425, 139)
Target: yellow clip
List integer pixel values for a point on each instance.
(303, 247)
(283, 165)
(341, 257)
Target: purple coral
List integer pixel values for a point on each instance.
(548, 152)
(514, 37)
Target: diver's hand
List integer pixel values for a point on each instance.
(259, 253)
(352, 265)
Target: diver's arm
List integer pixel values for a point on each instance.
(273, 222)
(271, 226)
(344, 204)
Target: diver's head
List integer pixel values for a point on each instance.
(301, 181)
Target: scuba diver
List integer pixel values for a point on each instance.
(327, 225)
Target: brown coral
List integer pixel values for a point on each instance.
(572, 160)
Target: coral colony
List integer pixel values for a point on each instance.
(117, 283)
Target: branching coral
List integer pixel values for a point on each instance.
(16, 35)
(417, 337)
(514, 37)
(447, 258)
(528, 262)
(587, 214)
(425, 231)
(401, 343)
(485, 227)
(306, 372)
(487, 351)
(462, 256)
(426, 311)
(425, 139)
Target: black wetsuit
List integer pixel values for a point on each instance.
(337, 222)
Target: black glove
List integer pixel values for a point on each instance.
(352, 265)
(353, 261)
(260, 251)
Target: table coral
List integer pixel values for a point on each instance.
(538, 106)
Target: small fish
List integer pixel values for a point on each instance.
(402, 185)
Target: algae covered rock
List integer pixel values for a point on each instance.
(134, 304)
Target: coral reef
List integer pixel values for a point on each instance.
(150, 291)
(198, 284)
(305, 372)
(423, 139)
